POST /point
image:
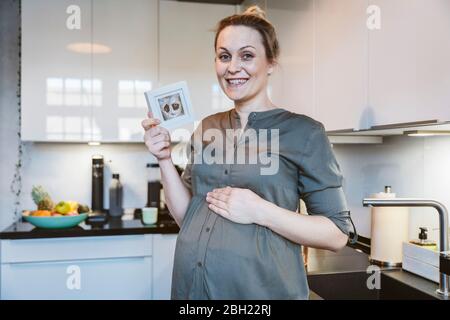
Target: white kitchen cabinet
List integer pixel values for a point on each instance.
(98, 267)
(340, 72)
(118, 278)
(409, 73)
(163, 257)
(340, 63)
(323, 60)
(109, 267)
(186, 50)
(56, 74)
(129, 29)
(292, 83)
(85, 67)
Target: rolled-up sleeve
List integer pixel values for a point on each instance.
(320, 180)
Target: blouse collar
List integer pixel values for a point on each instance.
(257, 115)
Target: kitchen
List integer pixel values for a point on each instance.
(74, 73)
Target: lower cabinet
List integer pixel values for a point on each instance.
(112, 267)
(163, 256)
(121, 278)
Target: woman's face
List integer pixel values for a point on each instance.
(241, 64)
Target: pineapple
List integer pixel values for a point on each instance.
(41, 198)
(46, 204)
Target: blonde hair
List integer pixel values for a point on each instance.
(255, 10)
(255, 18)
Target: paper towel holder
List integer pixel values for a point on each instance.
(375, 258)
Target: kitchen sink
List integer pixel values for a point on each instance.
(342, 286)
(352, 286)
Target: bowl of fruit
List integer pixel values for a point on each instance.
(65, 214)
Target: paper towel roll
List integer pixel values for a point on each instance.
(389, 230)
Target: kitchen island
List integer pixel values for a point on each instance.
(120, 259)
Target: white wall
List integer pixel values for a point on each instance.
(414, 167)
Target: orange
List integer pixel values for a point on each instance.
(41, 213)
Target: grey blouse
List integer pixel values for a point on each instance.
(218, 259)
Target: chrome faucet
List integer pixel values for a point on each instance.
(443, 228)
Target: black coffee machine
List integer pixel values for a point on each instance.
(97, 218)
(154, 185)
(97, 183)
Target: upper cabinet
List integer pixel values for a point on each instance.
(409, 64)
(292, 83)
(186, 51)
(322, 68)
(56, 70)
(349, 64)
(85, 67)
(87, 63)
(340, 63)
(356, 64)
(124, 66)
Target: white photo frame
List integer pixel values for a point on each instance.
(171, 104)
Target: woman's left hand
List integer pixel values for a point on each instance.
(235, 204)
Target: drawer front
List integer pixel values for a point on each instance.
(124, 278)
(76, 248)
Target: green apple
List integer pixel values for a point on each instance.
(63, 207)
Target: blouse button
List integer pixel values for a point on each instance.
(207, 229)
(199, 264)
(226, 171)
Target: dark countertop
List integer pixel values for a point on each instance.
(113, 227)
(411, 280)
(349, 260)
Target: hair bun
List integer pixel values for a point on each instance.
(255, 11)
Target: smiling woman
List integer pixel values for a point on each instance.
(241, 235)
(246, 52)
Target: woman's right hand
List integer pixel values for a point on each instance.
(156, 138)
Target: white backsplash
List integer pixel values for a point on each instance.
(64, 170)
(413, 166)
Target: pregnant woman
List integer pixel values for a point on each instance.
(240, 232)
